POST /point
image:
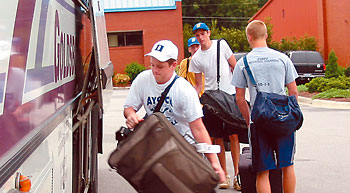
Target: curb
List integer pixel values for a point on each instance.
(323, 103)
(121, 88)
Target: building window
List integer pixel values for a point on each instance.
(120, 39)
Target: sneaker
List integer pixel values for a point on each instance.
(236, 184)
(226, 183)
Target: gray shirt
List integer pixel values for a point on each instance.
(272, 71)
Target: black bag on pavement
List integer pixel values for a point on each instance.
(155, 158)
(248, 177)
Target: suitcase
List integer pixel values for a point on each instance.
(248, 177)
(155, 158)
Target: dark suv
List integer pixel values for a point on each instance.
(309, 64)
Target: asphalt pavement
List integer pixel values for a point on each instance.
(321, 162)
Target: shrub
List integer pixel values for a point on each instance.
(307, 43)
(322, 84)
(133, 69)
(292, 43)
(347, 72)
(120, 79)
(316, 84)
(333, 93)
(332, 67)
(302, 88)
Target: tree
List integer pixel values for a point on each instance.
(332, 67)
(262, 3)
(228, 13)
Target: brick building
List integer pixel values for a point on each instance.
(327, 20)
(133, 26)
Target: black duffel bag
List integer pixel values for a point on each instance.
(220, 110)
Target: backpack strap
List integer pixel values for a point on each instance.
(218, 60)
(218, 63)
(163, 95)
(250, 74)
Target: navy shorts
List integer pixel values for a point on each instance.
(271, 152)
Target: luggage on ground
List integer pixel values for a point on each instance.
(155, 158)
(248, 177)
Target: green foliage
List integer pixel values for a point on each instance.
(307, 43)
(316, 84)
(292, 43)
(332, 67)
(333, 93)
(302, 88)
(347, 72)
(187, 34)
(289, 43)
(229, 13)
(321, 84)
(235, 38)
(133, 69)
(269, 28)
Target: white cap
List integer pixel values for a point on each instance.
(164, 50)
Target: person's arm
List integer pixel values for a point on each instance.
(200, 133)
(198, 80)
(232, 61)
(292, 89)
(132, 119)
(242, 104)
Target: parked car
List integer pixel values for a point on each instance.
(309, 64)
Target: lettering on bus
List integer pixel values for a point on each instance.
(64, 52)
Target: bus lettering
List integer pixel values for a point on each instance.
(64, 52)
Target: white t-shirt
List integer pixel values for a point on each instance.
(206, 61)
(181, 105)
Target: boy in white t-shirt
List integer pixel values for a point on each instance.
(205, 61)
(181, 106)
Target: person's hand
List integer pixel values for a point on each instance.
(133, 120)
(217, 168)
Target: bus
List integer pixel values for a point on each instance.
(55, 84)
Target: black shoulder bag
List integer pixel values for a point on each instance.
(276, 114)
(220, 105)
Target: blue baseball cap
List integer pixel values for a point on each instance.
(200, 26)
(192, 41)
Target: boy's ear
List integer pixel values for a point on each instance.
(174, 64)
